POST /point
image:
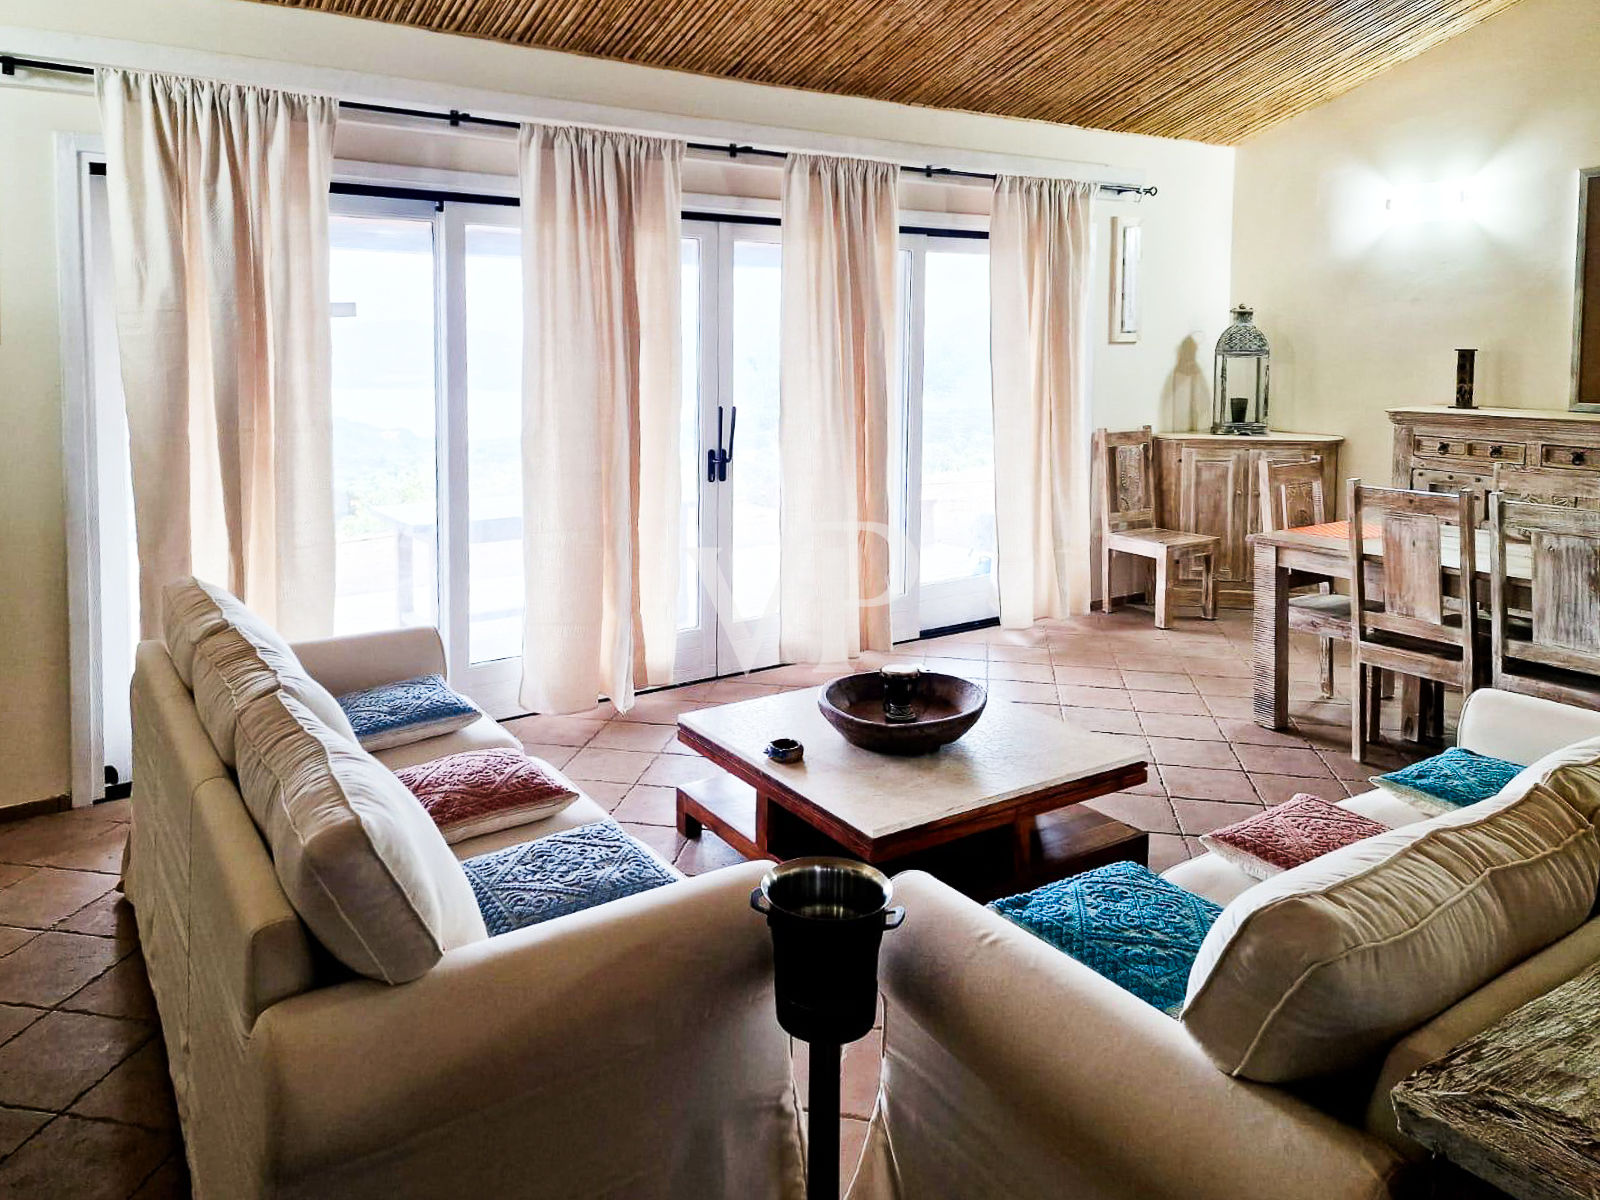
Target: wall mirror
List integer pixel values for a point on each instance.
(1586, 331)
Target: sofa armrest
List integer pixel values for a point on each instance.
(632, 1049)
(1521, 729)
(1013, 1070)
(365, 660)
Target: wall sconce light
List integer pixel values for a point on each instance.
(1416, 203)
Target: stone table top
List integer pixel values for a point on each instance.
(1010, 752)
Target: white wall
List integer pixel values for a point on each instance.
(1187, 229)
(1364, 313)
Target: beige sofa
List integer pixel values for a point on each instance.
(1013, 1071)
(627, 1051)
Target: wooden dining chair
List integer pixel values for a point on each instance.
(1291, 497)
(1548, 485)
(1544, 599)
(1410, 624)
(1125, 464)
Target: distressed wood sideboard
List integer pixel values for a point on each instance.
(1439, 449)
(1208, 484)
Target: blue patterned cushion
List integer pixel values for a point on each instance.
(398, 714)
(1450, 780)
(1130, 925)
(563, 873)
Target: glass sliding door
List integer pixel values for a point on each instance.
(943, 478)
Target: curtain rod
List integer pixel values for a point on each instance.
(455, 117)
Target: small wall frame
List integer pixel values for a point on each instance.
(1127, 245)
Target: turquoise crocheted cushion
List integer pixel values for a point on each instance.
(1128, 924)
(1449, 780)
(563, 873)
(397, 714)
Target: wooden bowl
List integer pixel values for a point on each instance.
(948, 704)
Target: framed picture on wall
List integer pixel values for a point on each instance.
(1125, 249)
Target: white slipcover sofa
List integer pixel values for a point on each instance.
(630, 1050)
(1011, 1070)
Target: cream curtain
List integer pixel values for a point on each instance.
(839, 239)
(219, 231)
(601, 246)
(1039, 267)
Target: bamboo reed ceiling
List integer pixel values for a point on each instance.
(1215, 72)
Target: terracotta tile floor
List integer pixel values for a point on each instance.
(86, 1109)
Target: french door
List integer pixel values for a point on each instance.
(427, 424)
(941, 475)
(728, 589)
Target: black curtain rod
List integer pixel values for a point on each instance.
(456, 117)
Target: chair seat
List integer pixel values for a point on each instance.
(1330, 604)
(1151, 542)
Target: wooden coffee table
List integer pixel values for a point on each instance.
(992, 814)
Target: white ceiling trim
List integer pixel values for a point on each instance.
(412, 93)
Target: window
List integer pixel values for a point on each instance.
(943, 477)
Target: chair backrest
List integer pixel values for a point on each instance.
(1544, 560)
(1548, 485)
(1291, 494)
(1415, 532)
(1126, 466)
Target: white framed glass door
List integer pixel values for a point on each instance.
(728, 598)
(426, 302)
(942, 472)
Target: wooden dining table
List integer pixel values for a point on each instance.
(1290, 558)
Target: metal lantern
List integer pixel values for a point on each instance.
(1241, 378)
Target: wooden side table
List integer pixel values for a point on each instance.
(1519, 1104)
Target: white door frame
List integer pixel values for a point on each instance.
(74, 152)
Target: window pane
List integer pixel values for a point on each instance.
(494, 441)
(757, 268)
(689, 440)
(385, 494)
(957, 420)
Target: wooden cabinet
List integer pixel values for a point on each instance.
(1208, 485)
(1445, 449)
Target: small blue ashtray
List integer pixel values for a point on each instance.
(785, 750)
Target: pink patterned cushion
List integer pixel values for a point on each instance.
(1288, 834)
(481, 791)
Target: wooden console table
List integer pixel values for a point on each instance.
(1441, 449)
(1519, 1104)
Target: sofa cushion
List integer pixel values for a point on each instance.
(1324, 966)
(1450, 780)
(483, 734)
(191, 611)
(359, 858)
(564, 873)
(408, 710)
(237, 664)
(1138, 930)
(484, 790)
(1288, 834)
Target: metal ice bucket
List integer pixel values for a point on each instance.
(827, 917)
